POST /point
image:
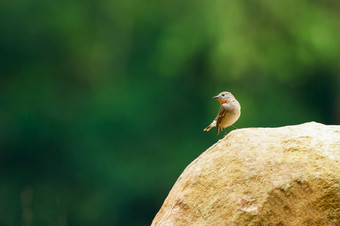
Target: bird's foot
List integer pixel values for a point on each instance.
(225, 133)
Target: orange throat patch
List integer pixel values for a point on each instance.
(223, 101)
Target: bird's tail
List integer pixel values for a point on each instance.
(210, 126)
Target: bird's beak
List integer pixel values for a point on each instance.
(216, 97)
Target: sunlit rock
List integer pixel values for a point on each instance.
(261, 176)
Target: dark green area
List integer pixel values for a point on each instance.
(103, 103)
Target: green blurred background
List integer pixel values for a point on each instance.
(103, 103)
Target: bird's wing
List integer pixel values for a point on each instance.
(218, 118)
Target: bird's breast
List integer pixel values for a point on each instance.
(230, 117)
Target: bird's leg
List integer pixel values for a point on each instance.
(234, 127)
(225, 133)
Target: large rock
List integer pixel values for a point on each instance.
(261, 176)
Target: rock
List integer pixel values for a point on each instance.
(261, 176)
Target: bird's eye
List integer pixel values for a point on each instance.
(222, 95)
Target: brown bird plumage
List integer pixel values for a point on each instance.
(228, 114)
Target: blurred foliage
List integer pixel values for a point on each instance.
(103, 103)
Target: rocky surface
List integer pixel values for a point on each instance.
(261, 176)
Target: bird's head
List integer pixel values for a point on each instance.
(224, 97)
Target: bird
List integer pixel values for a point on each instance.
(228, 114)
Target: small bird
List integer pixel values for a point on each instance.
(228, 114)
